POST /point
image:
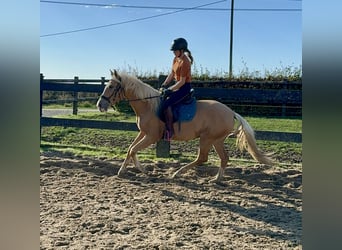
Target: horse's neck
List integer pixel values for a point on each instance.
(139, 107)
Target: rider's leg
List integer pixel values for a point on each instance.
(169, 123)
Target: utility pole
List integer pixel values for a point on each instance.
(231, 40)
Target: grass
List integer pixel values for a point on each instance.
(97, 143)
(275, 124)
(258, 123)
(111, 144)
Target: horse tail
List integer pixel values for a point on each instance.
(245, 139)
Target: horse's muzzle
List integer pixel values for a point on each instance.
(102, 105)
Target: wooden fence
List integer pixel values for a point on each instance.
(284, 97)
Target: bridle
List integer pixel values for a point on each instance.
(115, 92)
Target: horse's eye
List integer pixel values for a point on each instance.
(110, 86)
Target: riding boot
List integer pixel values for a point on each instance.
(169, 124)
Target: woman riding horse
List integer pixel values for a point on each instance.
(212, 124)
(181, 73)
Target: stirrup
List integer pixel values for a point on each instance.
(167, 135)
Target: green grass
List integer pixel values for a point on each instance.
(258, 123)
(111, 144)
(108, 116)
(91, 142)
(275, 124)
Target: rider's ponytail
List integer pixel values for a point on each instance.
(189, 55)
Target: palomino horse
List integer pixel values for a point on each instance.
(212, 123)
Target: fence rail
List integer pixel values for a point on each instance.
(282, 96)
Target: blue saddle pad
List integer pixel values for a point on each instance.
(184, 112)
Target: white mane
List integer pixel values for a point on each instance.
(142, 90)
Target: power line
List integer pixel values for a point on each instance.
(177, 10)
(167, 8)
(130, 21)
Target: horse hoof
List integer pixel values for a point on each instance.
(215, 180)
(122, 172)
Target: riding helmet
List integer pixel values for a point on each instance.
(179, 44)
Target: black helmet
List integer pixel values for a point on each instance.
(179, 44)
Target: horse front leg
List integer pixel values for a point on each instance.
(123, 168)
(143, 143)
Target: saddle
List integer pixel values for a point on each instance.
(184, 110)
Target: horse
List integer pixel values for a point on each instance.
(212, 123)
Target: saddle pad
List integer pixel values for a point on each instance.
(185, 112)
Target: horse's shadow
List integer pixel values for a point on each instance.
(280, 186)
(283, 214)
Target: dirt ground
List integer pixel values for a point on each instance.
(84, 205)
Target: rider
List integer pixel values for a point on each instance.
(181, 73)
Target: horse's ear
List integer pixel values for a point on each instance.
(117, 76)
(111, 73)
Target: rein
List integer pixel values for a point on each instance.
(116, 91)
(140, 99)
(129, 100)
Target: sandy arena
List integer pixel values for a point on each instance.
(84, 205)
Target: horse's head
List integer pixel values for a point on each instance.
(112, 93)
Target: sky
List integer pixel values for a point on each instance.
(87, 40)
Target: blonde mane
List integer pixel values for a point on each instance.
(142, 90)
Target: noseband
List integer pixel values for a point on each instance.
(106, 98)
(115, 92)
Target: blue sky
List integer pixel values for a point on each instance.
(263, 40)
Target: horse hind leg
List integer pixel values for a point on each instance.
(224, 156)
(202, 157)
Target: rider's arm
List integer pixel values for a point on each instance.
(168, 79)
(178, 84)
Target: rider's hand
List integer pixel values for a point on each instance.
(167, 92)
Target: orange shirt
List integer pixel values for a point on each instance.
(181, 67)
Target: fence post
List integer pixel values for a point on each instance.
(41, 101)
(283, 106)
(75, 96)
(103, 81)
(163, 147)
